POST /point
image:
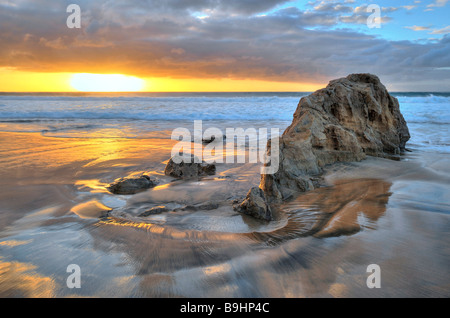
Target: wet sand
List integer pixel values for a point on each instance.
(55, 211)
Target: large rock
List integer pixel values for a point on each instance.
(350, 119)
(188, 168)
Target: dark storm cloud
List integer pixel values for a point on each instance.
(211, 39)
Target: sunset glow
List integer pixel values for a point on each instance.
(12, 80)
(222, 46)
(85, 82)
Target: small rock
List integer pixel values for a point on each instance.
(188, 168)
(208, 206)
(256, 205)
(198, 207)
(132, 185)
(213, 138)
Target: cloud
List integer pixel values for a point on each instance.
(417, 28)
(410, 7)
(334, 12)
(445, 30)
(361, 14)
(438, 3)
(246, 6)
(167, 38)
(325, 6)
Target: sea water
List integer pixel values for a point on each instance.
(137, 115)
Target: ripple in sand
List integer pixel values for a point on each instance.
(91, 210)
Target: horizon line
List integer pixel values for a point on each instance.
(183, 92)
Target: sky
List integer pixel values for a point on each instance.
(225, 45)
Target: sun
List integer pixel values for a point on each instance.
(85, 82)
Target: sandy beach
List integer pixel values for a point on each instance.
(217, 149)
(391, 213)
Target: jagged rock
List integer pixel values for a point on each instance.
(351, 118)
(132, 185)
(188, 168)
(256, 205)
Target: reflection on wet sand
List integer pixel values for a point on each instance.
(343, 209)
(20, 280)
(54, 212)
(172, 249)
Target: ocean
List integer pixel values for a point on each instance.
(139, 115)
(58, 153)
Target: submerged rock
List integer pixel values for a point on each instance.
(213, 139)
(350, 119)
(154, 210)
(132, 185)
(208, 206)
(210, 139)
(188, 168)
